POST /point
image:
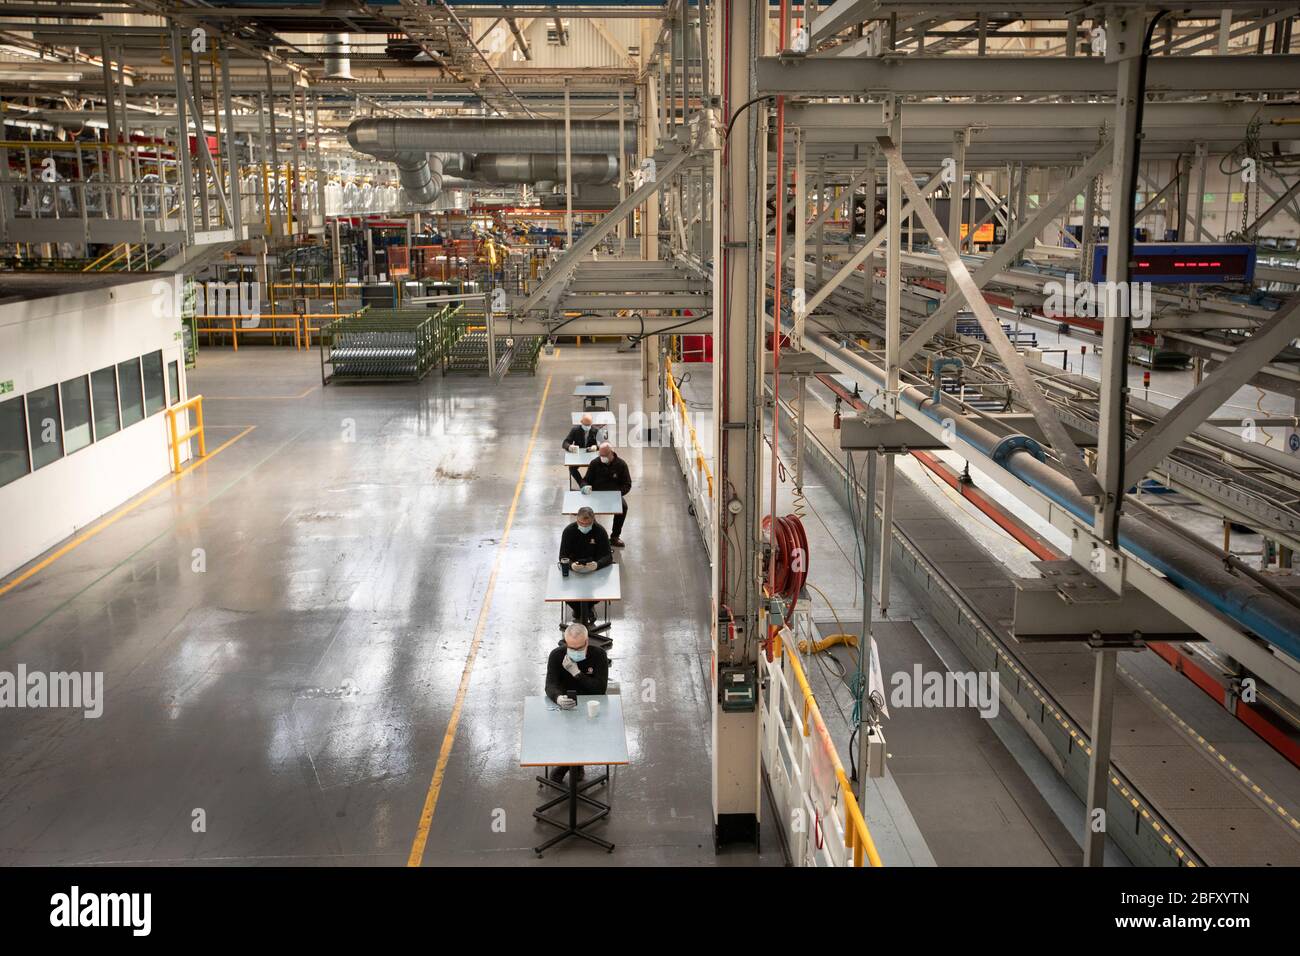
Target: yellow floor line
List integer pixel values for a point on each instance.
(124, 510)
(261, 398)
(449, 738)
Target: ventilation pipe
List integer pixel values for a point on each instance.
(338, 46)
(338, 57)
(592, 169)
(420, 176)
(534, 150)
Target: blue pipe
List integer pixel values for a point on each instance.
(1260, 612)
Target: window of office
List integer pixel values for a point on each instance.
(173, 382)
(13, 441)
(154, 395)
(103, 395)
(75, 393)
(130, 391)
(43, 426)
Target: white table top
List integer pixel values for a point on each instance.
(569, 738)
(593, 391)
(600, 502)
(580, 457)
(602, 585)
(597, 418)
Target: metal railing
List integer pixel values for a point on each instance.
(690, 455)
(174, 440)
(814, 798)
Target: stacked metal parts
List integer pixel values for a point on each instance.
(386, 344)
(469, 352)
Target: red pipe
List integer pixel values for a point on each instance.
(782, 43)
(1004, 520)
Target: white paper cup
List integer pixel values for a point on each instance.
(593, 708)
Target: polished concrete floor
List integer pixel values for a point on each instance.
(294, 632)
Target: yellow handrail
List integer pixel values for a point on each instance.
(112, 256)
(197, 431)
(856, 835)
(680, 404)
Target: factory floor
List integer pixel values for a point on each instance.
(316, 644)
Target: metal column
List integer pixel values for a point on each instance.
(232, 158)
(821, 224)
(622, 169)
(568, 166)
(1125, 31)
(1103, 706)
(183, 136)
(893, 341)
(1114, 389)
(869, 220)
(737, 422)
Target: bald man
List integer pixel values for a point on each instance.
(582, 437)
(575, 668)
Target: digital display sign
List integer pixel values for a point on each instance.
(1177, 263)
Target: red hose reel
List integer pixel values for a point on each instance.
(790, 569)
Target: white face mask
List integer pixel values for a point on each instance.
(585, 528)
(604, 460)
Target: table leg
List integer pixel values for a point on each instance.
(574, 828)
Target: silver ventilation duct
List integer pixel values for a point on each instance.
(497, 151)
(472, 135)
(421, 177)
(338, 57)
(503, 168)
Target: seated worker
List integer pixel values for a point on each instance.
(586, 546)
(582, 437)
(609, 473)
(575, 668)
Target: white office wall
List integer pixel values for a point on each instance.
(48, 341)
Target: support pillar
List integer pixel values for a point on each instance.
(738, 338)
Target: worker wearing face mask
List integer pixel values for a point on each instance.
(585, 545)
(610, 473)
(582, 437)
(575, 668)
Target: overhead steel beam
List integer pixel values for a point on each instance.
(1019, 75)
(872, 244)
(1007, 253)
(831, 206)
(592, 237)
(947, 116)
(996, 206)
(1274, 209)
(1203, 400)
(634, 301)
(837, 16)
(521, 41)
(1154, 200)
(1070, 458)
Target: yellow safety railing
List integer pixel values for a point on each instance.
(857, 837)
(174, 440)
(109, 259)
(301, 329)
(679, 403)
